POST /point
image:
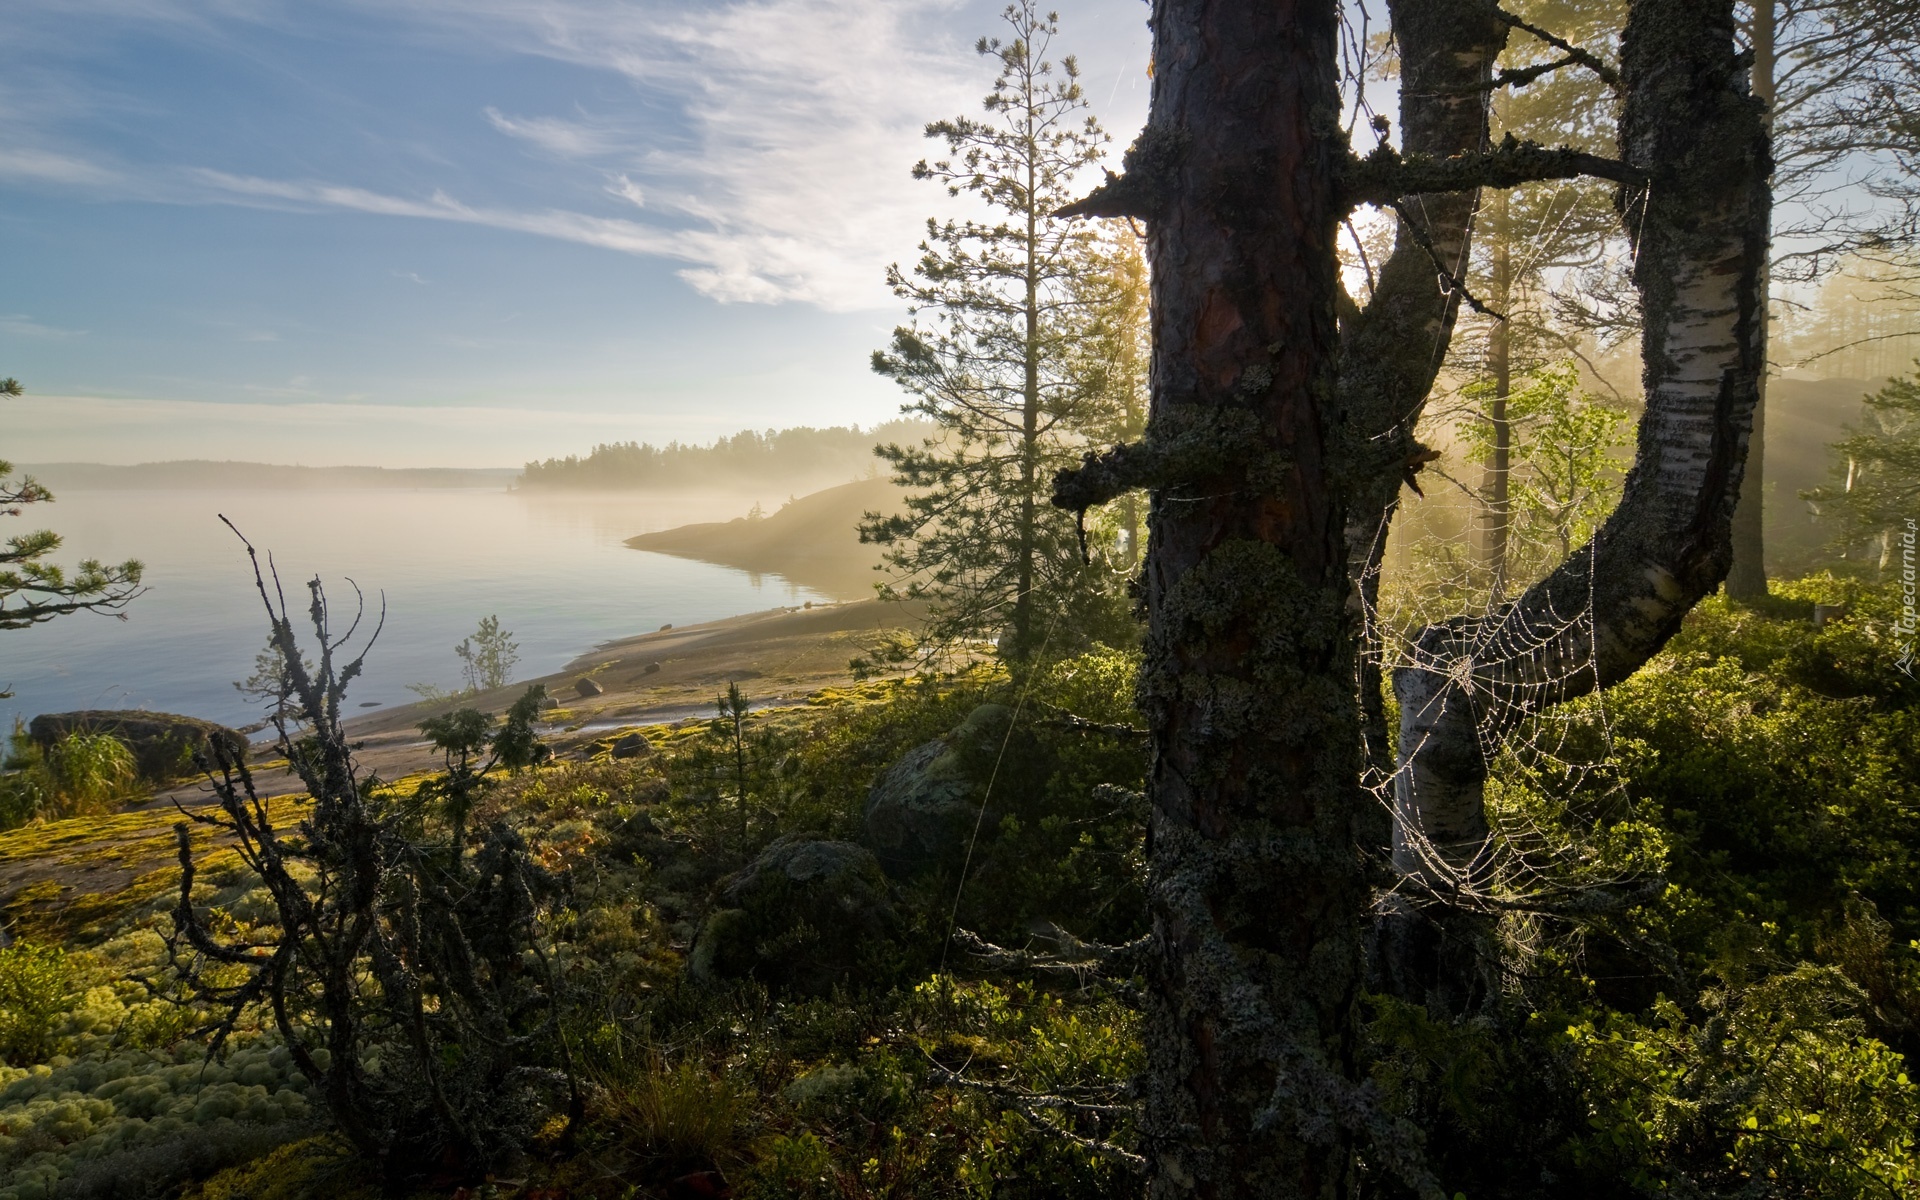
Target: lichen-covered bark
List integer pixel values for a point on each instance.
(1392, 349)
(1700, 234)
(1256, 891)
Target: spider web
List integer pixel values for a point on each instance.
(1561, 828)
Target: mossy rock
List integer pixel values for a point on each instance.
(923, 809)
(802, 917)
(163, 744)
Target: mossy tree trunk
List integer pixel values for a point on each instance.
(1257, 892)
(1392, 349)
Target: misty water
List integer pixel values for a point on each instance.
(552, 568)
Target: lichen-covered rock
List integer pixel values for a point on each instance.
(631, 745)
(163, 744)
(801, 917)
(922, 810)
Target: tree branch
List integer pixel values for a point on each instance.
(1574, 53)
(1384, 175)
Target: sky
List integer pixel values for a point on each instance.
(472, 232)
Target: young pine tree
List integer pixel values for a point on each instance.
(33, 590)
(1001, 322)
(487, 656)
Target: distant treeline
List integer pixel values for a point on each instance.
(839, 453)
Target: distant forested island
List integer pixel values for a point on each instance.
(784, 456)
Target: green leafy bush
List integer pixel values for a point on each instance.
(35, 988)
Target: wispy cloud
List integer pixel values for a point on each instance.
(21, 325)
(789, 175)
(560, 138)
(48, 166)
(763, 144)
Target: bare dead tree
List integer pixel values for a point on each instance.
(405, 969)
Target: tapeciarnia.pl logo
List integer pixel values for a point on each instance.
(1908, 623)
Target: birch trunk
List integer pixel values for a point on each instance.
(1700, 233)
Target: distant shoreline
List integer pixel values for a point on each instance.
(195, 473)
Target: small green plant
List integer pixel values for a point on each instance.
(35, 988)
(80, 773)
(86, 771)
(487, 656)
(684, 1117)
(730, 726)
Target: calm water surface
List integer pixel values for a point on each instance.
(553, 569)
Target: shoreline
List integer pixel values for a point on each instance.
(778, 656)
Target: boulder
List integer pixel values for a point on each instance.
(631, 745)
(587, 687)
(163, 744)
(801, 917)
(653, 668)
(923, 808)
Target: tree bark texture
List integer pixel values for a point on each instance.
(1747, 578)
(1700, 240)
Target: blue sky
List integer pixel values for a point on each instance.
(470, 232)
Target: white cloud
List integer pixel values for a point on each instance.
(46, 166)
(802, 119)
(627, 190)
(562, 139)
(21, 325)
(766, 144)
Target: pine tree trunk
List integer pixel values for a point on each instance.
(1500, 366)
(1255, 890)
(1747, 579)
(1701, 241)
(1029, 443)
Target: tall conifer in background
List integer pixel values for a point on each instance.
(1111, 360)
(1002, 317)
(1525, 236)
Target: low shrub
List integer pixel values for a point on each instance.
(35, 989)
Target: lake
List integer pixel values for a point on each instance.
(552, 568)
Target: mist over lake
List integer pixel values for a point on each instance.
(552, 567)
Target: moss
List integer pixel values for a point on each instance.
(299, 1170)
